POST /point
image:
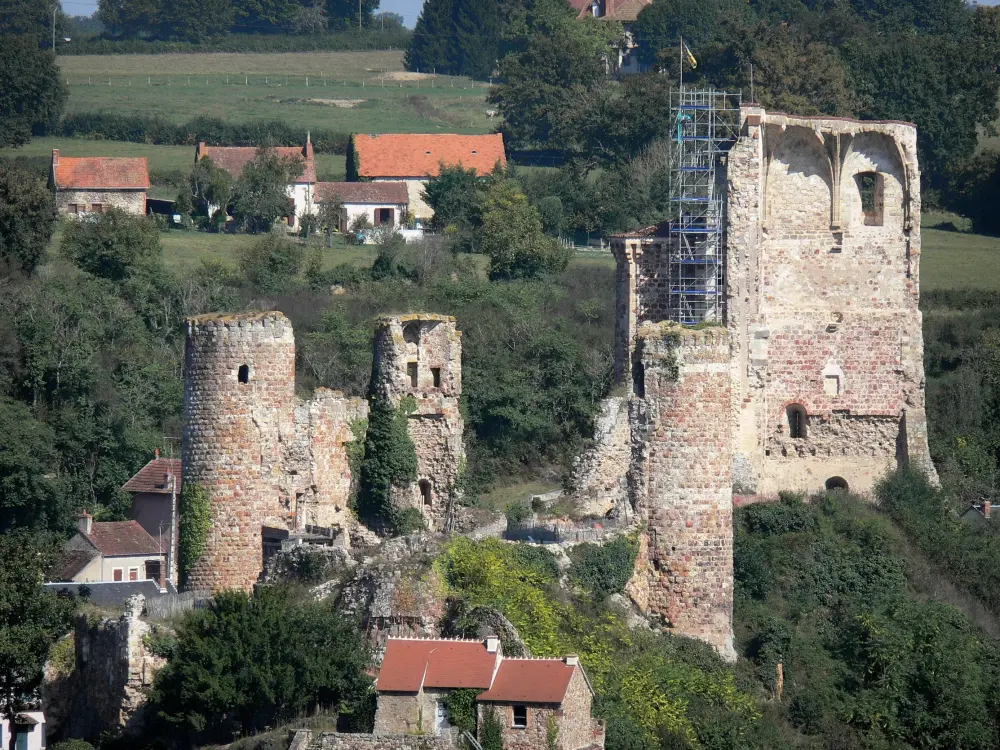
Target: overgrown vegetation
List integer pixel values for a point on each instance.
(195, 512)
(389, 463)
(604, 568)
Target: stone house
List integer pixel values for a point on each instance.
(156, 490)
(382, 203)
(28, 731)
(535, 699)
(414, 158)
(93, 184)
(111, 551)
(300, 192)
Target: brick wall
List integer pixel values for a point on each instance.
(685, 455)
(426, 344)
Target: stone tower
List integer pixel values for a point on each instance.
(239, 411)
(420, 355)
(682, 477)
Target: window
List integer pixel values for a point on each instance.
(797, 421)
(244, 374)
(436, 374)
(411, 333)
(133, 574)
(383, 216)
(411, 372)
(831, 385)
(117, 574)
(870, 188)
(152, 570)
(425, 492)
(519, 716)
(73, 208)
(97, 208)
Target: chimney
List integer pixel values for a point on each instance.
(85, 522)
(986, 508)
(572, 660)
(492, 644)
(55, 157)
(156, 453)
(199, 152)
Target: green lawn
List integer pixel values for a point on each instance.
(364, 91)
(185, 250)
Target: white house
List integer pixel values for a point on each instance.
(414, 158)
(29, 727)
(111, 551)
(300, 193)
(382, 203)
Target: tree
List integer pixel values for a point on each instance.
(31, 493)
(115, 245)
(25, 17)
(456, 195)
(252, 661)
(260, 195)
(211, 190)
(265, 16)
(271, 263)
(130, 18)
(32, 95)
(660, 26)
(390, 460)
(432, 44)
(27, 218)
(328, 218)
(512, 236)
(343, 14)
(31, 619)
(197, 20)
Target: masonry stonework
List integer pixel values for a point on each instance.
(822, 364)
(419, 357)
(269, 462)
(131, 201)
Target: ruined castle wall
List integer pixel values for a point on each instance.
(598, 482)
(822, 302)
(239, 403)
(420, 356)
(683, 436)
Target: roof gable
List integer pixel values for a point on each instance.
(412, 663)
(234, 158)
(99, 172)
(393, 193)
(155, 477)
(121, 538)
(421, 155)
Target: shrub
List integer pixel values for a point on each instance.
(161, 642)
(390, 460)
(369, 39)
(72, 744)
(604, 569)
(113, 245)
(462, 709)
(271, 263)
(518, 512)
(408, 520)
(195, 520)
(491, 735)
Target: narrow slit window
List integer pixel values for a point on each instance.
(870, 186)
(797, 421)
(411, 372)
(243, 375)
(425, 492)
(436, 374)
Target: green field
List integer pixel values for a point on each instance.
(364, 92)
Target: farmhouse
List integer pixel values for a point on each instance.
(111, 551)
(93, 184)
(413, 158)
(533, 698)
(300, 192)
(382, 203)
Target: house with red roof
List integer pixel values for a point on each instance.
(381, 203)
(110, 551)
(531, 697)
(413, 158)
(300, 191)
(156, 490)
(625, 12)
(93, 184)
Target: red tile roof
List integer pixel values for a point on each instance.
(113, 538)
(530, 681)
(363, 192)
(410, 663)
(99, 172)
(153, 477)
(234, 158)
(71, 562)
(417, 155)
(611, 10)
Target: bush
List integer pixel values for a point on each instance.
(271, 263)
(604, 569)
(113, 245)
(351, 40)
(390, 461)
(518, 512)
(407, 521)
(73, 744)
(462, 709)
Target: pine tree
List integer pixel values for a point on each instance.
(433, 40)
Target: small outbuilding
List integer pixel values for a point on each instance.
(93, 184)
(382, 203)
(111, 551)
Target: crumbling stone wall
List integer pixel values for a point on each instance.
(109, 685)
(598, 481)
(336, 741)
(266, 459)
(420, 356)
(685, 455)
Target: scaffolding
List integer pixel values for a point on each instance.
(706, 123)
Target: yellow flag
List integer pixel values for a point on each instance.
(690, 57)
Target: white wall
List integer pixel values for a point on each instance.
(354, 210)
(415, 191)
(35, 739)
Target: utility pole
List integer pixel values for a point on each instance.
(54, 9)
(359, 15)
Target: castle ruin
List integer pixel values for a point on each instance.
(795, 257)
(273, 464)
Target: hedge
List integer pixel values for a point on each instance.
(339, 42)
(110, 126)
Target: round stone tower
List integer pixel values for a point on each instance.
(239, 414)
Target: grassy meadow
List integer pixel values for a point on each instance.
(366, 91)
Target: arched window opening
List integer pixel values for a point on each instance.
(425, 492)
(411, 333)
(837, 483)
(797, 421)
(244, 374)
(870, 186)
